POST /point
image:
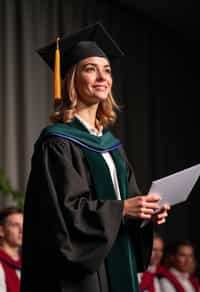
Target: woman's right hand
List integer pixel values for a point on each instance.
(142, 207)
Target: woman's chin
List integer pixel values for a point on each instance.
(100, 97)
(92, 100)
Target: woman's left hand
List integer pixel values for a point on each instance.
(160, 216)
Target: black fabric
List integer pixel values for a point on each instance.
(81, 50)
(91, 41)
(67, 233)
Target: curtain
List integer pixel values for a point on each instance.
(26, 88)
(156, 84)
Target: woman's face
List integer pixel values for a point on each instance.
(93, 80)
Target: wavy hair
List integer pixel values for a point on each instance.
(65, 110)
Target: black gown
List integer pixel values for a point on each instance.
(67, 232)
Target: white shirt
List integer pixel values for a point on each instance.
(106, 155)
(2, 280)
(183, 278)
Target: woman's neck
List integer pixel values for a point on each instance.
(88, 114)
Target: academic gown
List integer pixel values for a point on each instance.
(67, 232)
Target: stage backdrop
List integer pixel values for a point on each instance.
(157, 84)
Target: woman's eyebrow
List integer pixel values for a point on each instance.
(94, 64)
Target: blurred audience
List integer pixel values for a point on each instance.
(177, 272)
(172, 272)
(148, 281)
(11, 221)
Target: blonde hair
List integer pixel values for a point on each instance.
(65, 110)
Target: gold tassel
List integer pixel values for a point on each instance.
(57, 77)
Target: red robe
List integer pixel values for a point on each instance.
(10, 266)
(163, 272)
(147, 282)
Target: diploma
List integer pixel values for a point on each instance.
(175, 188)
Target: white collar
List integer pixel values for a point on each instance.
(90, 129)
(179, 274)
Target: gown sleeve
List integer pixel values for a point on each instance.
(79, 229)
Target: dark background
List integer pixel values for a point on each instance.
(157, 82)
(161, 91)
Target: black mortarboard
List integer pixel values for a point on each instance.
(91, 41)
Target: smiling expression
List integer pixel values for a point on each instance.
(93, 80)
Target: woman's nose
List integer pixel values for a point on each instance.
(101, 75)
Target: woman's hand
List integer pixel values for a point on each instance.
(160, 217)
(143, 207)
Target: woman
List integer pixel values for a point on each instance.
(82, 228)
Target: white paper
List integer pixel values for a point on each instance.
(176, 187)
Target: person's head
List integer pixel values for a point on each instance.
(11, 224)
(168, 255)
(183, 257)
(86, 70)
(88, 83)
(157, 250)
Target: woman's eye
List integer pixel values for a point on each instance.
(108, 71)
(90, 69)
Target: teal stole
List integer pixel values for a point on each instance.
(121, 265)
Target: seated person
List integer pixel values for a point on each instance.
(148, 281)
(11, 221)
(178, 277)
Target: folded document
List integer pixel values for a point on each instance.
(176, 187)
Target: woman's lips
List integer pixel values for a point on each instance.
(100, 87)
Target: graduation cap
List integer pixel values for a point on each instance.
(91, 41)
